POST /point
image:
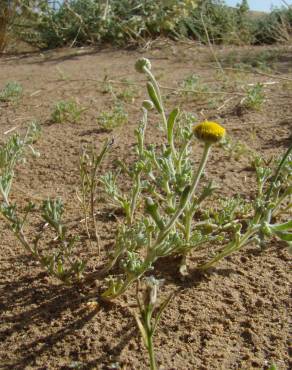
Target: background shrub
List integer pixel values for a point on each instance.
(121, 22)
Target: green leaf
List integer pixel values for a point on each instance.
(287, 237)
(273, 367)
(142, 330)
(282, 227)
(170, 122)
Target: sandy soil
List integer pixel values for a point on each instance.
(234, 317)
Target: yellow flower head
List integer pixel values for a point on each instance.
(209, 132)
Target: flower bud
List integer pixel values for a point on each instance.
(209, 132)
(152, 209)
(152, 287)
(147, 104)
(141, 63)
(153, 96)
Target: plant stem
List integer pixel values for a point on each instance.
(157, 89)
(164, 119)
(150, 348)
(233, 246)
(269, 192)
(136, 192)
(195, 181)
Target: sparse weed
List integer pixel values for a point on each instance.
(60, 261)
(194, 87)
(67, 111)
(114, 118)
(255, 97)
(236, 149)
(128, 94)
(12, 92)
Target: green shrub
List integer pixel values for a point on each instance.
(222, 23)
(120, 22)
(92, 21)
(273, 27)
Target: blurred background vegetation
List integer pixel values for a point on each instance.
(51, 24)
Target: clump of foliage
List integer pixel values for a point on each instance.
(91, 21)
(11, 92)
(222, 24)
(255, 97)
(67, 111)
(165, 212)
(274, 27)
(193, 87)
(120, 22)
(113, 118)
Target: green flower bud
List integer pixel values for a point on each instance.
(152, 209)
(153, 96)
(147, 104)
(141, 63)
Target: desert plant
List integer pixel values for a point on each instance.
(254, 98)
(237, 149)
(67, 111)
(113, 118)
(164, 206)
(11, 92)
(166, 226)
(273, 198)
(274, 27)
(79, 22)
(60, 261)
(273, 367)
(193, 86)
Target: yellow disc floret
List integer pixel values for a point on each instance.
(209, 132)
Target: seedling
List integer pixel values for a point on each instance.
(12, 92)
(193, 86)
(255, 97)
(67, 111)
(114, 118)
